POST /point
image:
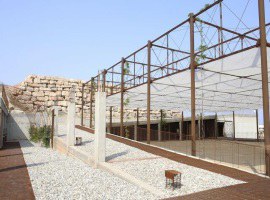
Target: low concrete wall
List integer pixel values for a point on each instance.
(18, 126)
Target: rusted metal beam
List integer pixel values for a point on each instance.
(216, 127)
(111, 109)
(137, 116)
(233, 126)
(192, 74)
(225, 29)
(52, 130)
(265, 91)
(82, 104)
(171, 49)
(91, 102)
(221, 27)
(122, 98)
(257, 124)
(104, 80)
(149, 46)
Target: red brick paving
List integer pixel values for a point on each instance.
(14, 178)
(256, 187)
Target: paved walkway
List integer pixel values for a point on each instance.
(14, 178)
(256, 187)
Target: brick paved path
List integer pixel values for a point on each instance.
(256, 187)
(14, 178)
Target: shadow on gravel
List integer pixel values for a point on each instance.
(113, 156)
(87, 142)
(18, 154)
(21, 166)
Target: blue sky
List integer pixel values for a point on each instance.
(76, 38)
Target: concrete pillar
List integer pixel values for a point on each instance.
(100, 127)
(159, 132)
(135, 132)
(71, 118)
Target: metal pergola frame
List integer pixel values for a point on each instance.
(116, 80)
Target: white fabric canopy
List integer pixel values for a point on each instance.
(231, 83)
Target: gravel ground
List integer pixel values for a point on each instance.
(56, 176)
(150, 168)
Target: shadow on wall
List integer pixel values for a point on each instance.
(18, 126)
(19, 123)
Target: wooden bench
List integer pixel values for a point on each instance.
(174, 176)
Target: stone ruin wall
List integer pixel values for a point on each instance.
(40, 93)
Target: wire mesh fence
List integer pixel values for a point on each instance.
(244, 155)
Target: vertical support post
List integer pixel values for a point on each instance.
(216, 127)
(138, 116)
(149, 46)
(104, 81)
(167, 38)
(265, 93)
(159, 132)
(71, 118)
(52, 130)
(1, 128)
(136, 126)
(134, 70)
(257, 125)
(100, 127)
(82, 104)
(135, 132)
(56, 123)
(199, 125)
(111, 119)
(233, 126)
(122, 98)
(91, 102)
(182, 125)
(192, 73)
(221, 26)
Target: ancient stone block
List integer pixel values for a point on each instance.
(38, 94)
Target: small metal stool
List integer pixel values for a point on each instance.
(78, 141)
(174, 176)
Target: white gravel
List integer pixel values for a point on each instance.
(150, 168)
(56, 176)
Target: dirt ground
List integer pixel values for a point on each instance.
(247, 156)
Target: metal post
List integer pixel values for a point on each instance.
(148, 90)
(199, 125)
(257, 124)
(52, 131)
(82, 104)
(221, 26)
(192, 73)
(216, 127)
(137, 116)
(182, 126)
(111, 119)
(265, 93)
(167, 37)
(233, 126)
(104, 80)
(136, 126)
(91, 102)
(122, 98)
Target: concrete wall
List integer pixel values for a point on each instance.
(245, 126)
